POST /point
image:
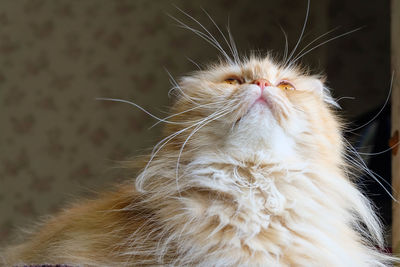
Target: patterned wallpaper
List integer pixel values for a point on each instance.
(56, 56)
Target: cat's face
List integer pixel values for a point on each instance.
(258, 105)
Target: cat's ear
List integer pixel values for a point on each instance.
(325, 93)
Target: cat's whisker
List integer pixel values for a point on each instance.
(380, 152)
(301, 34)
(194, 63)
(209, 40)
(155, 151)
(207, 120)
(232, 41)
(180, 91)
(316, 39)
(345, 97)
(214, 114)
(209, 36)
(386, 182)
(229, 44)
(139, 107)
(361, 164)
(176, 86)
(325, 42)
(160, 145)
(361, 169)
(286, 51)
(145, 111)
(185, 111)
(380, 111)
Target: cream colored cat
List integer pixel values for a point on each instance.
(251, 172)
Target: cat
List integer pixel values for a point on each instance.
(251, 171)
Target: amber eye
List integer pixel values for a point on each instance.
(285, 85)
(233, 80)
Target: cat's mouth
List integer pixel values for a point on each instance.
(261, 103)
(262, 100)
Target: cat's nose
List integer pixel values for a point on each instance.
(262, 83)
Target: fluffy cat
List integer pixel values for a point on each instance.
(251, 172)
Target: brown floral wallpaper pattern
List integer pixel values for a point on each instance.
(57, 56)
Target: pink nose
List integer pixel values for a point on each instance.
(262, 83)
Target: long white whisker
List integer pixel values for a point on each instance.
(135, 105)
(286, 51)
(313, 41)
(206, 36)
(301, 34)
(327, 41)
(362, 165)
(386, 182)
(207, 120)
(380, 111)
(375, 176)
(198, 23)
(207, 39)
(176, 86)
(222, 34)
(189, 98)
(193, 62)
(359, 165)
(187, 110)
(345, 97)
(161, 143)
(232, 41)
(164, 141)
(159, 146)
(380, 152)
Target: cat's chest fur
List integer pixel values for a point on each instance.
(260, 214)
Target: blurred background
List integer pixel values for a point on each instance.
(56, 56)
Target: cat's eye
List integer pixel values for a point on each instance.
(233, 80)
(285, 85)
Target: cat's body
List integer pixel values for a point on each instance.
(256, 176)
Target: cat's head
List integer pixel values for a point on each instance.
(257, 105)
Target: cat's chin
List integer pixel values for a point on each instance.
(262, 104)
(256, 123)
(259, 106)
(260, 130)
(262, 110)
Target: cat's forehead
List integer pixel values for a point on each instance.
(261, 68)
(255, 68)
